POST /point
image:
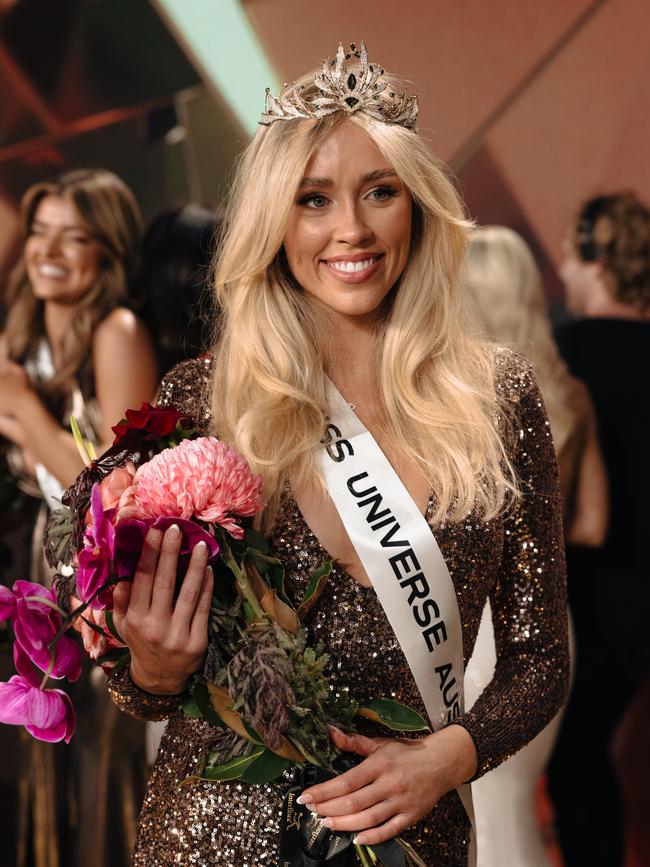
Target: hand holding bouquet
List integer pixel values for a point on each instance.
(263, 688)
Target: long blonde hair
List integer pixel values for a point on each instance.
(505, 299)
(109, 212)
(437, 386)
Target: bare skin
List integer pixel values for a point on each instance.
(62, 263)
(361, 213)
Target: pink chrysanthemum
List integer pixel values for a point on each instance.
(201, 478)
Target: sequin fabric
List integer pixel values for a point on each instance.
(516, 560)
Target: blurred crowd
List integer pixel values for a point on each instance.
(98, 310)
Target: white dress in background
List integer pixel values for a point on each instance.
(507, 828)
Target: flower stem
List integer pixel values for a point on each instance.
(241, 579)
(79, 442)
(48, 603)
(362, 855)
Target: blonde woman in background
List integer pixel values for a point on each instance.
(505, 304)
(70, 346)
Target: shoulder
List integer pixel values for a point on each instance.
(514, 375)
(119, 327)
(188, 387)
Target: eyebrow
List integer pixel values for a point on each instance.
(71, 228)
(328, 182)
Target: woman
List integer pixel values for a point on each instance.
(505, 301)
(70, 344)
(606, 272)
(71, 347)
(340, 260)
(177, 250)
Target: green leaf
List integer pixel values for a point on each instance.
(254, 735)
(95, 628)
(110, 624)
(315, 587)
(120, 664)
(256, 540)
(394, 715)
(112, 655)
(201, 696)
(191, 708)
(272, 570)
(233, 769)
(266, 768)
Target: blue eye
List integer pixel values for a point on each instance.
(314, 200)
(381, 194)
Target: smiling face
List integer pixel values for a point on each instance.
(61, 257)
(349, 232)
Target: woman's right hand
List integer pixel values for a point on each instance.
(167, 639)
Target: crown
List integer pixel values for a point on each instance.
(348, 83)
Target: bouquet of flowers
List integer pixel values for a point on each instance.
(263, 688)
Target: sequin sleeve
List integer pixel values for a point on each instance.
(138, 703)
(187, 387)
(528, 598)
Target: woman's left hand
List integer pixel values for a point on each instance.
(398, 782)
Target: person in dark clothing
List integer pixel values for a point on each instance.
(606, 271)
(177, 249)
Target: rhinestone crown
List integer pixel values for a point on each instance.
(348, 83)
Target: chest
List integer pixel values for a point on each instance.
(320, 515)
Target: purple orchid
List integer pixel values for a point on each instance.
(36, 621)
(47, 714)
(7, 603)
(95, 559)
(129, 540)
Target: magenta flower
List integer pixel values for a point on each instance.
(47, 714)
(7, 603)
(201, 478)
(36, 622)
(129, 539)
(95, 558)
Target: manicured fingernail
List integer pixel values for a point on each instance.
(209, 573)
(304, 800)
(327, 823)
(174, 532)
(201, 548)
(334, 729)
(357, 841)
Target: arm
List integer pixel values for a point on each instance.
(590, 514)
(528, 603)
(187, 388)
(125, 375)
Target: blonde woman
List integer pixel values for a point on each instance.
(338, 281)
(71, 347)
(505, 303)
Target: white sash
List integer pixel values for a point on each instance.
(402, 559)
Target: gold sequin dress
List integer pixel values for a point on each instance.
(516, 560)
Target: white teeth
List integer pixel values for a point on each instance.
(47, 270)
(352, 267)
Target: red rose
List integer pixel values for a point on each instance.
(156, 421)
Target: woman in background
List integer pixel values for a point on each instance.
(606, 273)
(177, 250)
(506, 305)
(71, 347)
